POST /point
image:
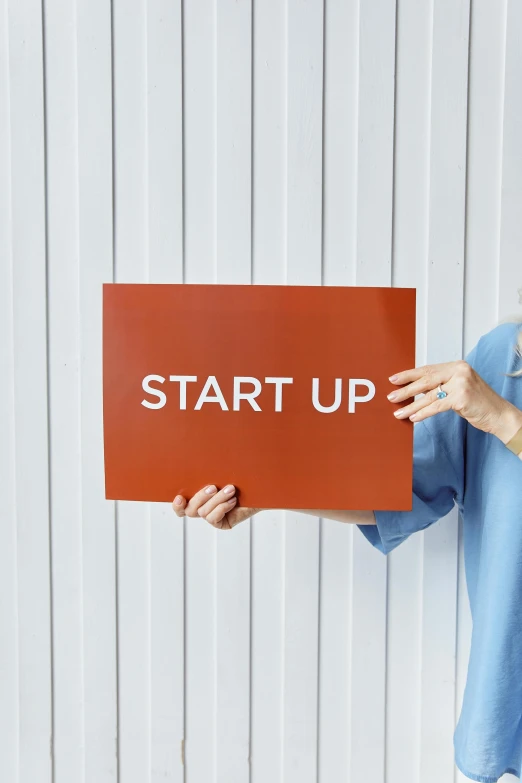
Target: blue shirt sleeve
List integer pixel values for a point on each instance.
(437, 484)
(439, 445)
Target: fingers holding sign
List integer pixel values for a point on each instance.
(217, 507)
(425, 381)
(450, 386)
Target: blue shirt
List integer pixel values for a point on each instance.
(455, 463)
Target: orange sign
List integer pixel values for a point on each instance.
(279, 390)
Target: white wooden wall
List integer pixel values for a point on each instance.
(279, 141)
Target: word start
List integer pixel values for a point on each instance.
(211, 392)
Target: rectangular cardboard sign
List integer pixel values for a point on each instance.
(279, 390)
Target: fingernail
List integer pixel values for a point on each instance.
(210, 490)
(228, 489)
(399, 414)
(232, 500)
(178, 500)
(392, 396)
(393, 378)
(413, 417)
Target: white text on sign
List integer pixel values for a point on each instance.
(212, 393)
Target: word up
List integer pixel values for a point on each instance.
(212, 393)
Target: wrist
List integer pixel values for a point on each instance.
(509, 423)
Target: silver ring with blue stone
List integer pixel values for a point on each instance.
(441, 393)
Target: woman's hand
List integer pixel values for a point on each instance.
(467, 394)
(218, 508)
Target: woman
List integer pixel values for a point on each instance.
(467, 450)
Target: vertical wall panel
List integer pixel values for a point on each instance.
(268, 267)
(340, 128)
(341, 54)
(298, 142)
(233, 53)
(486, 103)
(95, 221)
(9, 712)
(410, 260)
(64, 398)
(199, 95)
(131, 265)
(374, 264)
(304, 111)
(375, 141)
(31, 458)
(165, 260)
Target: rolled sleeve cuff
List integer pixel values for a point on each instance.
(394, 527)
(386, 534)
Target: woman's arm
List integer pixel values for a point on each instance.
(355, 517)
(218, 508)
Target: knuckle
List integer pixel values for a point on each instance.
(223, 508)
(459, 399)
(424, 384)
(219, 513)
(212, 515)
(464, 384)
